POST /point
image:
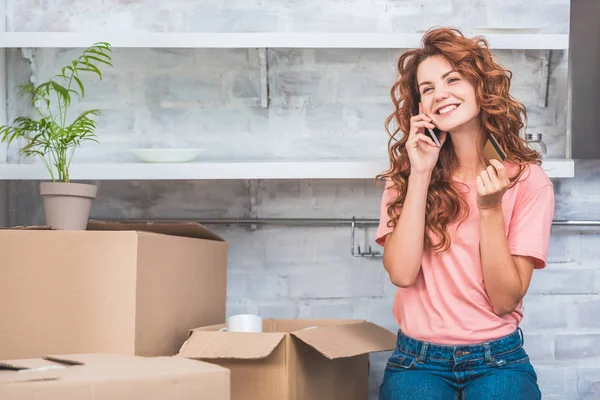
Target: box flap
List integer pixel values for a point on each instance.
(291, 325)
(213, 328)
(61, 361)
(347, 340)
(108, 368)
(230, 345)
(185, 229)
(35, 369)
(38, 363)
(64, 361)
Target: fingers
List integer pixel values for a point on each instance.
(420, 117)
(494, 177)
(480, 187)
(500, 170)
(419, 137)
(424, 124)
(424, 138)
(418, 123)
(491, 172)
(485, 179)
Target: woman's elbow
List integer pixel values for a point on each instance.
(401, 280)
(503, 310)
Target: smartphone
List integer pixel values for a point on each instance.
(433, 134)
(493, 150)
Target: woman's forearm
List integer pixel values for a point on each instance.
(403, 249)
(500, 274)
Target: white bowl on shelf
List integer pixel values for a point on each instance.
(166, 155)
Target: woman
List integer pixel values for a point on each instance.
(461, 234)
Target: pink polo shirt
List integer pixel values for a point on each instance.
(448, 303)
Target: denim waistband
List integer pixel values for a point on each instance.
(486, 350)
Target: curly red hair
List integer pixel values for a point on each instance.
(500, 115)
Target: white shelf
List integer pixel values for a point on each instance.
(232, 170)
(263, 40)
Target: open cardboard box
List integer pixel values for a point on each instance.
(112, 377)
(130, 288)
(294, 359)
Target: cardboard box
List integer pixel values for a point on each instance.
(294, 359)
(116, 288)
(112, 377)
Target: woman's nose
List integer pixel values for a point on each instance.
(441, 95)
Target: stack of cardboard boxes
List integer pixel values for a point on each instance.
(132, 311)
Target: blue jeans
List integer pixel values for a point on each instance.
(495, 370)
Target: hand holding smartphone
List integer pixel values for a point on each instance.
(422, 145)
(432, 133)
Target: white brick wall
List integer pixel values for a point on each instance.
(282, 15)
(324, 103)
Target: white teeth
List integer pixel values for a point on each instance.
(447, 108)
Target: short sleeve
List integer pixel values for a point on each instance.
(531, 224)
(389, 194)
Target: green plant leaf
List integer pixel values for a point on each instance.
(106, 59)
(98, 59)
(51, 136)
(80, 84)
(89, 67)
(62, 92)
(67, 68)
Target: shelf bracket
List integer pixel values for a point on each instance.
(264, 82)
(356, 252)
(252, 190)
(546, 56)
(29, 54)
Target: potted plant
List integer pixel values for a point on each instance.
(53, 137)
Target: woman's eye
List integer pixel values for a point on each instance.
(426, 90)
(452, 80)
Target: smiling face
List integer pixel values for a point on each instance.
(446, 96)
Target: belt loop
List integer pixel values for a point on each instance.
(487, 353)
(423, 354)
(521, 335)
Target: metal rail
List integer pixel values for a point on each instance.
(355, 251)
(316, 221)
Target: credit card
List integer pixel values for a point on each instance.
(492, 150)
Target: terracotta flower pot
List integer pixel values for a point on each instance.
(67, 205)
